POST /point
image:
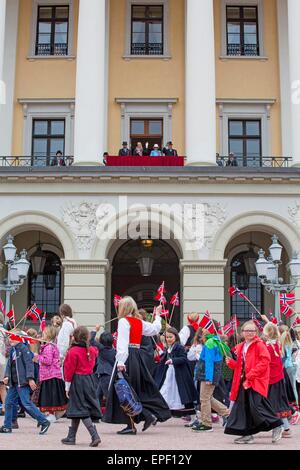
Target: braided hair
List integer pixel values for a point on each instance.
(82, 337)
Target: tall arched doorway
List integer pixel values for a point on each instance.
(138, 269)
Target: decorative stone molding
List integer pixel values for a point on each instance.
(85, 267)
(200, 267)
(81, 219)
(215, 217)
(294, 213)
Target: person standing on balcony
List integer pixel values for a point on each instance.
(155, 152)
(232, 160)
(219, 160)
(124, 151)
(138, 151)
(168, 151)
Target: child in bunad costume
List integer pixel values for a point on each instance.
(174, 377)
(131, 363)
(277, 395)
(80, 387)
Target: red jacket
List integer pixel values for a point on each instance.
(77, 362)
(257, 368)
(276, 367)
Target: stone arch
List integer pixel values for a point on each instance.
(28, 220)
(260, 221)
(103, 248)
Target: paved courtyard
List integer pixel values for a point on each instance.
(168, 436)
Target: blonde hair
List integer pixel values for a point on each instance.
(250, 322)
(33, 334)
(285, 340)
(271, 331)
(127, 306)
(193, 317)
(50, 333)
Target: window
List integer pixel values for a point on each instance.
(52, 30)
(45, 289)
(146, 130)
(147, 29)
(245, 141)
(242, 31)
(48, 137)
(250, 285)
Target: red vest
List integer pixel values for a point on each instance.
(136, 330)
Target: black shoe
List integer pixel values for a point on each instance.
(21, 414)
(151, 421)
(4, 430)
(45, 427)
(15, 425)
(127, 430)
(70, 440)
(95, 438)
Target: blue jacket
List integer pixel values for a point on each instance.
(24, 365)
(210, 363)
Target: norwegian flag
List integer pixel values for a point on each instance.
(2, 308)
(117, 299)
(219, 329)
(175, 300)
(234, 290)
(207, 323)
(288, 298)
(11, 317)
(228, 329)
(235, 322)
(296, 322)
(273, 319)
(161, 289)
(22, 338)
(287, 310)
(161, 298)
(43, 323)
(165, 313)
(34, 313)
(115, 337)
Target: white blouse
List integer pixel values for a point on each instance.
(149, 329)
(184, 335)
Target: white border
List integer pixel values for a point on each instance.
(127, 53)
(48, 109)
(260, 11)
(35, 5)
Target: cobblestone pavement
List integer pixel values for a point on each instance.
(171, 435)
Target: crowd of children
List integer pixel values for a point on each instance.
(251, 381)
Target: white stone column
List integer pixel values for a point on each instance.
(2, 37)
(294, 21)
(90, 109)
(200, 83)
(85, 290)
(8, 75)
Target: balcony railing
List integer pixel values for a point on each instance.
(256, 162)
(36, 161)
(142, 48)
(51, 49)
(243, 49)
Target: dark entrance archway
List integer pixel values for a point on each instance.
(127, 278)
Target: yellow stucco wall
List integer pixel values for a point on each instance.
(252, 79)
(153, 78)
(39, 78)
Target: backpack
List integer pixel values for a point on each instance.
(127, 397)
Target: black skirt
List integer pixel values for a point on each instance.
(278, 399)
(83, 402)
(142, 382)
(52, 396)
(251, 413)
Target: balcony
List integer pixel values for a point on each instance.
(116, 161)
(141, 48)
(51, 49)
(256, 162)
(243, 49)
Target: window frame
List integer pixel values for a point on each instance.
(128, 29)
(53, 22)
(147, 21)
(260, 19)
(245, 137)
(48, 137)
(34, 23)
(241, 21)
